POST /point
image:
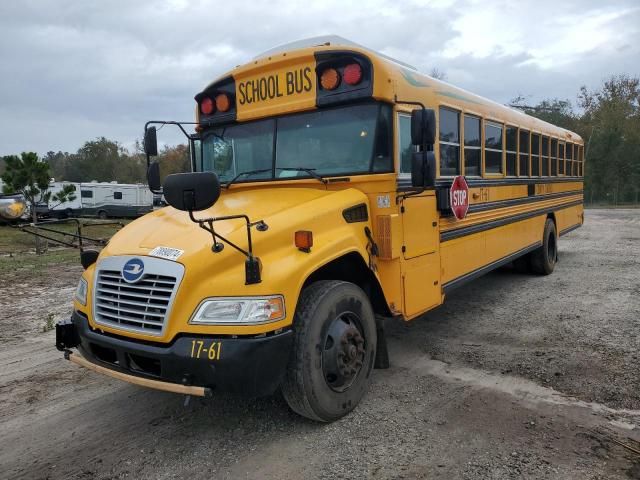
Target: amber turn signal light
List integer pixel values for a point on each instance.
(304, 240)
(222, 102)
(330, 79)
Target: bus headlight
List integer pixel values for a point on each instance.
(81, 292)
(239, 311)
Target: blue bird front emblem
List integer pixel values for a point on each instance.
(133, 270)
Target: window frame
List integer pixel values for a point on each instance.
(464, 146)
(553, 157)
(460, 113)
(531, 155)
(493, 123)
(507, 152)
(371, 171)
(544, 156)
(528, 153)
(398, 140)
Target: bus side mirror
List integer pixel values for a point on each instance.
(423, 169)
(423, 127)
(191, 191)
(153, 177)
(151, 142)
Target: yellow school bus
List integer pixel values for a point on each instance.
(331, 188)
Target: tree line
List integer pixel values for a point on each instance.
(607, 118)
(105, 160)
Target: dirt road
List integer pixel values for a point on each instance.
(514, 377)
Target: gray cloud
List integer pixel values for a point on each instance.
(71, 71)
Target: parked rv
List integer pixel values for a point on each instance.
(103, 200)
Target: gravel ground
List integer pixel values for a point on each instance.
(515, 376)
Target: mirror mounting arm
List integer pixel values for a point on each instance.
(252, 263)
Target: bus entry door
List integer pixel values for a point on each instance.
(421, 254)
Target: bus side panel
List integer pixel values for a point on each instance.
(509, 239)
(420, 259)
(462, 255)
(569, 217)
(472, 252)
(420, 281)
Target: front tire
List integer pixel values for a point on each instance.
(543, 259)
(333, 353)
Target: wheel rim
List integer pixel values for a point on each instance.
(343, 351)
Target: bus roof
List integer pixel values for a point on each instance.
(406, 83)
(326, 41)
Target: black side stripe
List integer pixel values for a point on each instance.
(481, 227)
(570, 229)
(485, 182)
(467, 277)
(482, 207)
(404, 183)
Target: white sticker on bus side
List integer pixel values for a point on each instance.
(384, 201)
(166, 252)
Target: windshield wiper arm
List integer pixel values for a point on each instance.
(242, 174)
(310, 171)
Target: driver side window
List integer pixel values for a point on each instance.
(404, 143)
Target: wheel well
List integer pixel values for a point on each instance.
(352, 268)
(552, 216)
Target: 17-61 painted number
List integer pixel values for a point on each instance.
(199, 349)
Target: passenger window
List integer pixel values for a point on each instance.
(535, 155)
(554, 157)
(492, 148)
(404, 143)
(545, 157)
(472, 146)
(561, 158)
(569, 157)
(524, 153)
(512, 151)
(86, 193)
(580, 171)
(449, 142)
(117, 195)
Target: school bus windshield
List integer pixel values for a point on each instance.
(346, 140)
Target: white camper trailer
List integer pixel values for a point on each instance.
(114, 199)
(71, 208)
(103, 199)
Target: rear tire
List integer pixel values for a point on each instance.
(333, 353)
(102, 215)
(543, 259)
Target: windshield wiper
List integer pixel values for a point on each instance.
(310, 171)
(242, 174)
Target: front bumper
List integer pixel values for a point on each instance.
(247, 366)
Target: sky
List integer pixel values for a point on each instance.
(72, 71)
